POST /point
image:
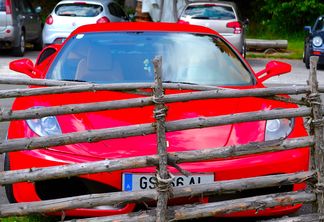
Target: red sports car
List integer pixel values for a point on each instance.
(123, 53)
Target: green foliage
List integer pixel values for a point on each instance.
(47, 6)
(30, 219)
(286, 16)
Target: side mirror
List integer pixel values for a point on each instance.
(273, 68)
(308, 29)
(25, 66)
(38, 9)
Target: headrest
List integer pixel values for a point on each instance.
(99, 58)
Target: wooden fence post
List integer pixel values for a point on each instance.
(317, 129)
(163, 183)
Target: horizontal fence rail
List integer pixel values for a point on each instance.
(114, 86)
(212, 92)
(36, 174)
(8, 115)
(149, 128)
(98, 87)
(217, 188)
(187, 212)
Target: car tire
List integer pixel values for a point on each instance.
(307, 57)
(8, 187)
(19, 51)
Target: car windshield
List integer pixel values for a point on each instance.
(320, 24)
(78, 9)
(126, 57)
(210, 11)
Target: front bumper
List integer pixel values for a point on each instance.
(8, 37)
(319, 53)
(250, 166)
(50, 35)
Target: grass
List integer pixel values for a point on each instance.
(294, 51)
(29, 219)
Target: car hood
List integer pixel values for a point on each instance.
(193, 139)
(318, 33)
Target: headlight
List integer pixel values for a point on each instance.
(46, 126)
(278, 128)
(317, 41)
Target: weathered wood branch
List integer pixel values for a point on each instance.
(160, 112)
(300, 102)
(263, 44)
(89, 201)
(97, 87)
(217, 92)
(317, 127)
(38, 82)
(9, 115)
(214, 209)
(113, 86)
(144, 129)
(36, 174)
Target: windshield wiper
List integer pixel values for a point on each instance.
(72, 15)
(200, 17)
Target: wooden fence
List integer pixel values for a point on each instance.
(309, 107)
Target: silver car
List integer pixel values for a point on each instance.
(68, 15)
(220, 16)
(19, 23)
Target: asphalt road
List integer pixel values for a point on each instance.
(298, 76)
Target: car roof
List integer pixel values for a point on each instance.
(199, 2)
(143, 26)
(88, 1)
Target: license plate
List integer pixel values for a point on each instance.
(134, 182)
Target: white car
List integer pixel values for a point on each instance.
(67, 15)
(220, 16)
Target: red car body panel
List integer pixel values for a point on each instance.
(225, 169)
(45, 59)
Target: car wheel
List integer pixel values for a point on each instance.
(20, 49)
(8, 187)
(307, 57)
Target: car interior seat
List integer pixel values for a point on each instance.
(99, 66)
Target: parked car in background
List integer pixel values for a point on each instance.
(313, 44)
(67, 15)
(20, 23)
(220, 16)
(123, 53)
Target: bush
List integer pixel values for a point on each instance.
(287, 16)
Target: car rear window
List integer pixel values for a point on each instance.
(78, 9)
(2, 6)
(210, 11)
